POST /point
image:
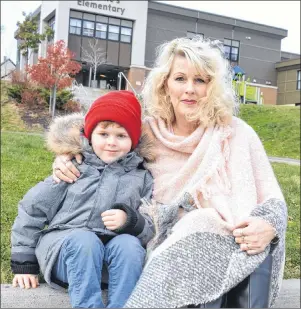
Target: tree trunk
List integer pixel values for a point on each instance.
(90, 75)
(50, 101)
(26, 65)
(54, 101)
(95, 69)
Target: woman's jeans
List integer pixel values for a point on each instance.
(80, 264)
(252, 292)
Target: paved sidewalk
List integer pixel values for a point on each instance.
(285, 160)
(45, 297)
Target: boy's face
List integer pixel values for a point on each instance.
(110, 142)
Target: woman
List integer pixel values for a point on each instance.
(218, 209)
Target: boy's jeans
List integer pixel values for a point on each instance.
(80, 265)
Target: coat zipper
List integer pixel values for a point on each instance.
(94, 206)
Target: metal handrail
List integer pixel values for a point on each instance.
(82, 87)
(76, 86)
(120, 75)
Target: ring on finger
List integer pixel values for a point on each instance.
(68, 162)
(65, 161)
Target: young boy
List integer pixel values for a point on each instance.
(70, 231)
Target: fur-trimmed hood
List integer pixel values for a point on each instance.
(64, 137)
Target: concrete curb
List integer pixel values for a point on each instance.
(41, 297)
(285, 160)
(45, 297)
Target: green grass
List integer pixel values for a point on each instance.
(277, 126)
(289, 179)
(25, 162)
(11, 120)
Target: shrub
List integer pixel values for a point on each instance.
(14, 91)
(45, 94)
(18, 78)
(32, 98)
(72, 106)
(62, 97)
(29, 91)
(17, 86)
(26, 94)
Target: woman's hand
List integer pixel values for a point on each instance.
(114, 218)
(253, 235)
(26, 281)
(64, 169)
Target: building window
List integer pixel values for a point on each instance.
(88, 28)
(114, 21)
(113, 33)
(75, 26)
(231, 49)
(76, 14)
(51, 23)
(299, 80)
(88, 16)
(126, 35)
(127, 23)
(101, 31)
(101, 27)
(191, 35)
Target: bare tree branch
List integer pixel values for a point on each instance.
(95, 56)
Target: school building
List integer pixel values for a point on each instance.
(129, 32)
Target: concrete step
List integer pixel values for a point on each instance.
(90, 96)
(285, 160)
(46, 297)
(93, 93)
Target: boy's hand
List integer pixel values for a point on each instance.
(114, 218)
(26, 281)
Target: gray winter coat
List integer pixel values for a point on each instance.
(50, 211)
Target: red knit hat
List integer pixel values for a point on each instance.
(118, 106)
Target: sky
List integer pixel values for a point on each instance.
(281, 14)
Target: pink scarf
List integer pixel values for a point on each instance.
(196, 164)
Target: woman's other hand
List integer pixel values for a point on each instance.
(64, 169)
(253, 235)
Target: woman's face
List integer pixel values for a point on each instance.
(185, 86)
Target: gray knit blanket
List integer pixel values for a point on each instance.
(195, 260)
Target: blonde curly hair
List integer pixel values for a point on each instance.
(207, 58)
